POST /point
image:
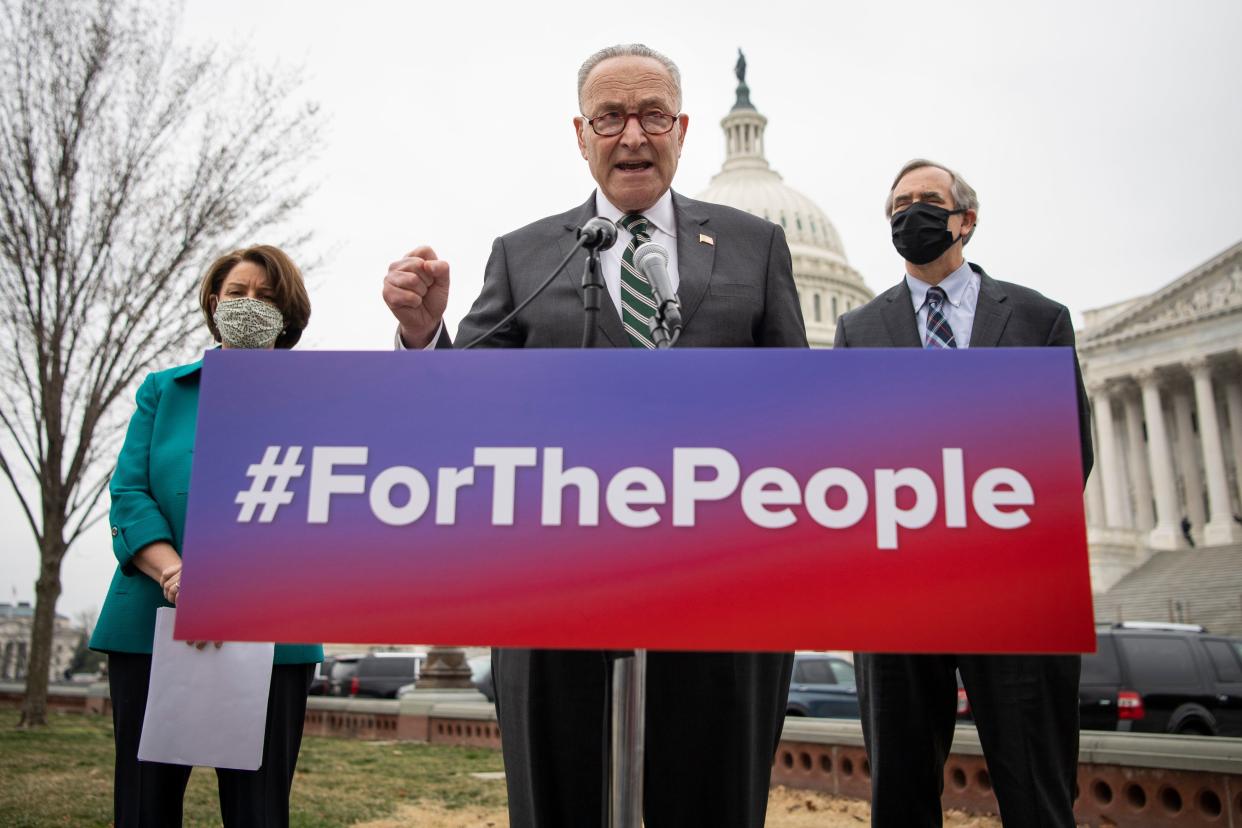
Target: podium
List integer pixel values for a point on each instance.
(616, 499)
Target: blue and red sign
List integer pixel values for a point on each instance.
(764, 499)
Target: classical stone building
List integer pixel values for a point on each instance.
(15, 621)
(1164, 372)
(827, 285)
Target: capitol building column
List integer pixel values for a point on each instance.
(1110, 467)
(1188, 461)
(1233, 404)
(1179, 440)
(1144, 516)
(1167, 532)
(1220, 529)
(1095, 489)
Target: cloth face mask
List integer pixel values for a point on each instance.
(921, 232)
(248, 323)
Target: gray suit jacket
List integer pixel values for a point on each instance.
(1006, 316)
(736, 292)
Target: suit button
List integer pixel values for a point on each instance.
(115, 531)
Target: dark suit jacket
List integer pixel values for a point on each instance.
(736, 292)
(1006, 316)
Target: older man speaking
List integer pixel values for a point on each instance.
(713, 719)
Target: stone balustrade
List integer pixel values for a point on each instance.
(1124, 779)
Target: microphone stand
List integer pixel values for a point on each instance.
(659, 326)
(627, 748)
(629, 686)
(592, 290)
(629, 719)
(629, 675)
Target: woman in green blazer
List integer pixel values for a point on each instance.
(252, 298)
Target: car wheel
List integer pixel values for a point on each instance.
(1192, 720)
(1193, 728)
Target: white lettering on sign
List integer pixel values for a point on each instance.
(905, 499)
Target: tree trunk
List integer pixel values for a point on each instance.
(47, 591)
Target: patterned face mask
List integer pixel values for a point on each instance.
(248, 323)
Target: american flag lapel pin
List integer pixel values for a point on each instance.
(706, 239)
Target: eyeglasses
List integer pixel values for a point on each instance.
(653, 122)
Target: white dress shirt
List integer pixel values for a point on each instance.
(962, 289)
(661, 226)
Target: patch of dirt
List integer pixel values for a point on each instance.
(792, 808)
(787, 808)
(427, 815)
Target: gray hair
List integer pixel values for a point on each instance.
(964, 196)
(628, 50)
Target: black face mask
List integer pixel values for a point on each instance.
(921, 232)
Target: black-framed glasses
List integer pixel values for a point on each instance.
(653, 122)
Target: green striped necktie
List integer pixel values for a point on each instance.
(637, 300)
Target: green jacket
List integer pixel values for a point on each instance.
(148, 504)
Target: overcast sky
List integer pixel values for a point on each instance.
(1103, 139)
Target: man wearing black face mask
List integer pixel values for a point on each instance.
(1025, 707)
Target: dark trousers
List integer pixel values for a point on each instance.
(713, 723)
(149, 794)
(1026, 711)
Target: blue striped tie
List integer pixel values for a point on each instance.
(939, 334)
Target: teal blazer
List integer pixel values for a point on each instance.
(148, 504)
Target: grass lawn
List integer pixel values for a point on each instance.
(62, 775)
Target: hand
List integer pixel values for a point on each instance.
(416, 290)
(170, 582)
(202, 645)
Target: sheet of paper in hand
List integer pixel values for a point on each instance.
(205, 707)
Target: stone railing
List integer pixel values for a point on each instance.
(1124, 779)
(66, 697)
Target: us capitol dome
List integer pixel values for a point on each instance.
(827, 285)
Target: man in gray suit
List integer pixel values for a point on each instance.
(1026, 707)
(713, 719)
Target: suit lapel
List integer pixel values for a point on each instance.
(899, 318)
(991, 312)
(609, 320)
(694, 258)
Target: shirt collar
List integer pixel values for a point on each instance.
(954, 286)
(659, 215)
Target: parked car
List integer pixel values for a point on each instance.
(1162, 678)
(321, 684)
(341, 676)
(381, 675)
(823, 685)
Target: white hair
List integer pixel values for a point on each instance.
(964, 196)
(628, 50)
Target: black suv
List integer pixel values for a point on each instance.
(381, 675)
(1162, 678)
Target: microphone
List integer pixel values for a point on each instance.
(651, 260)
(597, 234)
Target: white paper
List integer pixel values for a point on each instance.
(205, 707)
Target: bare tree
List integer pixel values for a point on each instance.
(127, 159)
